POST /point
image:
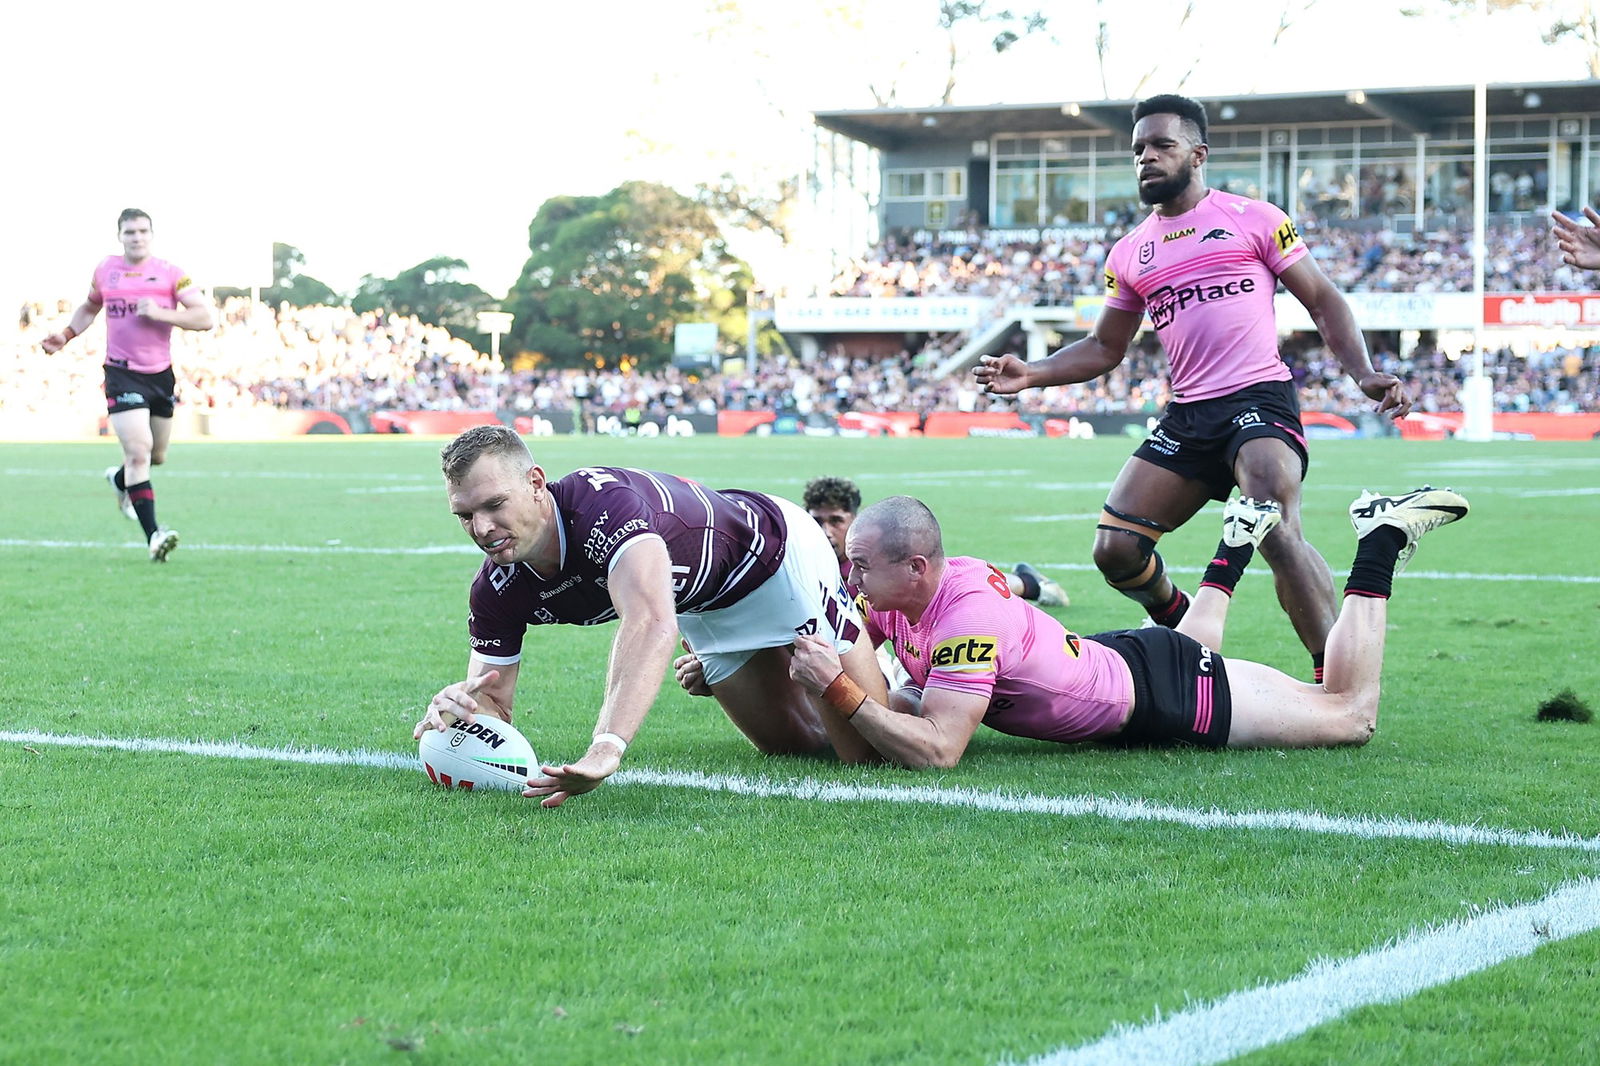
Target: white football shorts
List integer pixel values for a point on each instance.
(804, 596)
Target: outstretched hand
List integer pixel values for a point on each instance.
(1389, 391)
(454, 702)
(1579, 244)
(557, 784)
(1002, 374)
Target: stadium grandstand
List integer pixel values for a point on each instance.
(980, 230)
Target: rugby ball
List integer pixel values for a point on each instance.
(488, 753)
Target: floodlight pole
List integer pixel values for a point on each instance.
(1477, 396)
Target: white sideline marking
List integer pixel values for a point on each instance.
(189, 547)
(1328, 989)
(1558, 492)
(239, 475)
(1111, 808)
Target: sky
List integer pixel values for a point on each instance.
(375, 136)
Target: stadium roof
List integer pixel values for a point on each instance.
(1420, 110)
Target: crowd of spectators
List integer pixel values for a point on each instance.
(330, 358)
(1054, 269)
(334, 358)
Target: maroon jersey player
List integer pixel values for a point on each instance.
(740, 575)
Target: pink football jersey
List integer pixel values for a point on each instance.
(1206, 280)
(977, 636)
(133, 341)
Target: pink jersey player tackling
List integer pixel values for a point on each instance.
(1037, 679)
(979, 655)
(1203, 267)
(144, 298)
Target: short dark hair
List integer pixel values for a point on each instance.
(129, 213)
(1190, 111)
(458, 456)
(836, 492)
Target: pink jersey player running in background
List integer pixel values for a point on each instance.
(144, 298)
(1203, 266)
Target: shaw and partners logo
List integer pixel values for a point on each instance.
(598, 545)
(1165, 303)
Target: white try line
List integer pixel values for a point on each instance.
(338, 548)
(1214, 1032)
(1328, 989)
(1112, 808)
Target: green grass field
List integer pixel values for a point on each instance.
(163, 907)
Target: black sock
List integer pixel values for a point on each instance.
(1316, 665)
(1372, 574)
(1030, 586)
(119, 481)
(1227, 566)
(1174, 610)
(143, 498)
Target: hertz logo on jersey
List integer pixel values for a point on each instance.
(1178, 235)
(964, 655)
(1111, 284)
(1286, 236)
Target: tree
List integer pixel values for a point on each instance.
(608, 277)
(1009, 26)
(1577, 19)
(432, 290)
(288, 284)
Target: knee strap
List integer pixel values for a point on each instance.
(1122, 520)
(1141, 573)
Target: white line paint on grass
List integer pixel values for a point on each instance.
(1558, 492)
(1248, 1021)
(237, 475)
(190, 547)
(1111, 808)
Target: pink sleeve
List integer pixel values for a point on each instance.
(1118, 293)
(1278, 239)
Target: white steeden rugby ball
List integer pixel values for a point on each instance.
(488, 753)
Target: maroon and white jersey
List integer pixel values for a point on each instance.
(723, 544)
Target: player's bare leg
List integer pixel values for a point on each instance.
(781, 718)
(144, 442)
(160, 437)
(1245, 525)
(1271, 709)
(1268, 469)
(135, 431)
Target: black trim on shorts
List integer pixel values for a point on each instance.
(129, 390)
(1199, 441)
(1168, 668)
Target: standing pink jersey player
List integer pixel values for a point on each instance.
(1203, 266)
(144, 297)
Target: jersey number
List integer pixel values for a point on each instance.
(998, 582)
